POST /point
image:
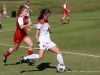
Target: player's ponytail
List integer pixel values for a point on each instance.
(42, 13)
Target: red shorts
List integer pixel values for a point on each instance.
(65, 12)
(19, 39)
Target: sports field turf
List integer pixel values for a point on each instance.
(79, 42)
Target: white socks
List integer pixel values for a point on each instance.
(60, 59)
(33, 56)
(36, 56)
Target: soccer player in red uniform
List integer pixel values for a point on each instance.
(65, 13)
(20, 33)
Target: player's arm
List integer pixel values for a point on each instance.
(49, 30)
(21, 24)
(31, 10)
(29, 28)
(37, 35)
(27, 25)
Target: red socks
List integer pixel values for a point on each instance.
(69, 20)
(61, 20)
(30, 52)
(7, 53)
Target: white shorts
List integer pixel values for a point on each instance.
(46, 46)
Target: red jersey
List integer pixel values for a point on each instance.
(65, 6)
(20, 34)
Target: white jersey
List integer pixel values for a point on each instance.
(28, 9)
(44, 35)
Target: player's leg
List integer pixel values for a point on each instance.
(64, 15)
(34, 56)
(68, 17)
(15, 47)
(69, 22)
(56, 50)
(40, 53)
(29, 42)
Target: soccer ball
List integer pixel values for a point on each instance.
(60, 68)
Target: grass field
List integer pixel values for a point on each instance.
(79, 42)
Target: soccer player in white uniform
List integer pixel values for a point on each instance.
(42, 36)
(27, 6)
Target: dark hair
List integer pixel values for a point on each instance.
(42, 13)
(28, 1)
(20, 9)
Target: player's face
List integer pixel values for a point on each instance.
(24, 12)
(46, 16)
(28, 3)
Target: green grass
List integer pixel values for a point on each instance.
(54, 5)
(82, 36)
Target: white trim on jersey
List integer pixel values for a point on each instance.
(20, 21)
(64, 6)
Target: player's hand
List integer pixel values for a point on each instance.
(38, 41)
(50, 31)
(68, 11)
(29, 28)
(32, 11)
(29, 24)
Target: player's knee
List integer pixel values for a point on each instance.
(58, 52)
(31, 46)
(15, 49)
(40, 57)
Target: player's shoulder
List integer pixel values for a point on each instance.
(20, 16)
(42, 22)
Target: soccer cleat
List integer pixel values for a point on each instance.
(69, 23)
(31, 61)
(67, 70)
(22, 60)
(4, 58)
(60, 23)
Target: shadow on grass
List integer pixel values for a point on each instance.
(12, 64)
(17, 63)
(64, 23)
(40, 67)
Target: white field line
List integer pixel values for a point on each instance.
(7, 30)
(96, 56)
(64, 72)
(12, 45)
(34, 25)
(82, 54)
(84, 71)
